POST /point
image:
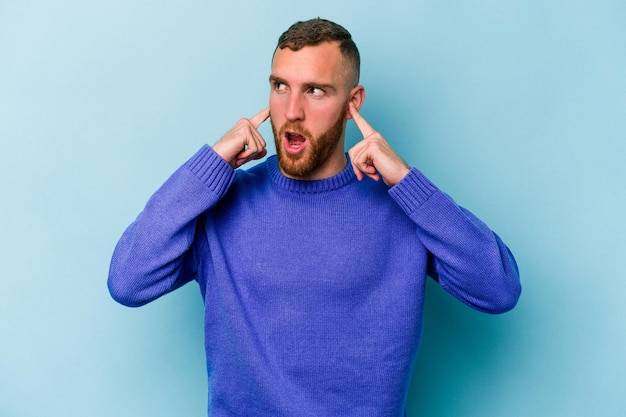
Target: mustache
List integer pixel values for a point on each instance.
(295, 128)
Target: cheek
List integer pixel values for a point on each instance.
(326, 116)
(277, 110)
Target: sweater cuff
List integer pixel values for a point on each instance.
(211, 169)
(413, 191)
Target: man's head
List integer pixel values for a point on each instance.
(315, 73)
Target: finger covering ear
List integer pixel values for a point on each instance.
(357, 97)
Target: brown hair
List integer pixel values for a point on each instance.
(316, 31)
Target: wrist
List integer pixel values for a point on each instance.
(221, 150)
(400, 175)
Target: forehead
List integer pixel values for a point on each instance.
(318, 63)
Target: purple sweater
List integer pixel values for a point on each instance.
(313, 291)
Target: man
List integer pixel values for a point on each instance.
(312, 265)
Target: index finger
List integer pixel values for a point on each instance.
(260, 117)
(361, 123)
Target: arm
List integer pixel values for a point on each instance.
(153, 256)
(465, 256)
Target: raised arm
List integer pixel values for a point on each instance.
(465, 256)
(153, 256)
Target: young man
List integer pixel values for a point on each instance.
(312, 265)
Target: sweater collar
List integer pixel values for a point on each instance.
(308, 187)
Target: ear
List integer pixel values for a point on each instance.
(357, 97)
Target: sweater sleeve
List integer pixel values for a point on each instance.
(153, 256)
(467, 259)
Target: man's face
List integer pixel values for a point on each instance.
(308, 105)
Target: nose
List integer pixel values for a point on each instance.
(294, 111)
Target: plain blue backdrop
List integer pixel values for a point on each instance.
(515, 108)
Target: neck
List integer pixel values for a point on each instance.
(298, 185)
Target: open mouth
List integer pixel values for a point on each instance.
(294, 142)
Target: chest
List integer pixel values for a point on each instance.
(305, 246)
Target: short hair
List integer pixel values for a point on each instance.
(316, 31)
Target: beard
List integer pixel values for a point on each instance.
(317, 151)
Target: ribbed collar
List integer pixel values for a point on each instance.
(308, 187)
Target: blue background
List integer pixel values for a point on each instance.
(515, 108)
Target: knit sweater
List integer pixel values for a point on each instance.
(313, 290)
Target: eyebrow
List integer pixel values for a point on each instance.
(278, 80)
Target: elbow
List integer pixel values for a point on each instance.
(127, 283)
(122, 296)
(505, 293)
(489, 297)
(497, 294)
(508, 288)
(507, 299)
(123, 291)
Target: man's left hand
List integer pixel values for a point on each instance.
(373, 156)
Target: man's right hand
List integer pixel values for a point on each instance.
(243, 142)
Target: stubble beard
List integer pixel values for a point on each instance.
(317, 151)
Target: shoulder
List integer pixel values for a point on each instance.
(248, 184)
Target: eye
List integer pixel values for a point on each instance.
(278, 86)
(316, 91)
